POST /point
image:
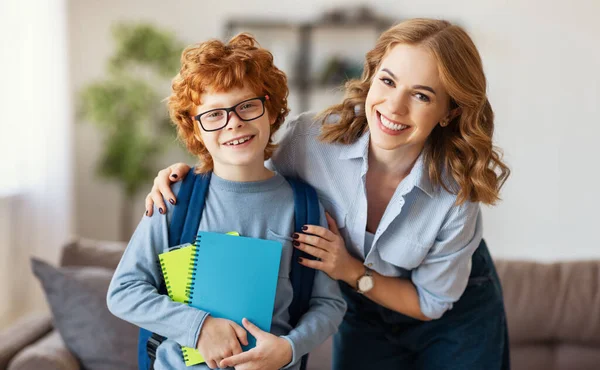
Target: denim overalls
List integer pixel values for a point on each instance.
(471, 336)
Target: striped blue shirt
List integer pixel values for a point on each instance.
(423, 235)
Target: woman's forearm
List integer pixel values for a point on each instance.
(396, 294)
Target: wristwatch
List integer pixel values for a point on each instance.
(365, 282)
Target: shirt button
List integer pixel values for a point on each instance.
(369, 265)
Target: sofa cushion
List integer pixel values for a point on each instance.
(545, 356)
(320, 357)
(77, 298)
(48, 353)
(23, 332)
(552, 303)
(89, 252)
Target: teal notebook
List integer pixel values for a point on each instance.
(236, 277)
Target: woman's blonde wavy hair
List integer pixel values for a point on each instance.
(464, 147)
(220, 67)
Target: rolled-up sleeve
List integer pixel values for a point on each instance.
(442, 277)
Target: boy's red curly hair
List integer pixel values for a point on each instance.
(220, 67)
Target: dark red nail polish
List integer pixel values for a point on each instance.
(174, 175)
(300, 259)
(146, 212)
(296, 243)
(171, 201)
(160, 210)
(295, 236)
(304, 228)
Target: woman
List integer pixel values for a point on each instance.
(401, 165)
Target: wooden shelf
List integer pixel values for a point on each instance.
(301, 81)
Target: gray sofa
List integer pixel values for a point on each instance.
(553, 316)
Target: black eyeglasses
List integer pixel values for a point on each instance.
(247, 110)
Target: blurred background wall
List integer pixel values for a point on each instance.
(37, 165)
(540, 58)
(542, 69)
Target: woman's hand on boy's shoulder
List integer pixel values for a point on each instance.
(271, 352)
(219, 339)
(161, 189)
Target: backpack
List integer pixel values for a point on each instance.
(184, 227)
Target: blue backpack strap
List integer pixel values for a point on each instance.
(196, 201)
(182, 229)
(181, 208)
(306, 212)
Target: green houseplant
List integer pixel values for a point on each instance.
(126, 107)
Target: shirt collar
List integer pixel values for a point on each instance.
(358, 149)
(420, 175)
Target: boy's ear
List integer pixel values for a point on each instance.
(197, 135)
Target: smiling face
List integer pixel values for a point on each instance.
(406, 99)
(240, 143)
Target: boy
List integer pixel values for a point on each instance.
(227, 102)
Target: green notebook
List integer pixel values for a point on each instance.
(176, 267)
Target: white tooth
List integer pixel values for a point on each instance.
(235, 142)
(394, 126)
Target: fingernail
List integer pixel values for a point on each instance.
(160, 210)
(304, 228)
(146, 212)
(296, 243)
(300, 259)
(295, 236)
(171, 201)
(174, 175)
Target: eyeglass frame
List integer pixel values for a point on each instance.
(232, 109)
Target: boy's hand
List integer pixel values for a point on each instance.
(219, 339)
(271, 352)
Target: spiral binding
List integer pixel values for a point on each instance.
(164, 275)
(186, 357)
(189, 289)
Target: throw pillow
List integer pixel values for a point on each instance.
(77, 298)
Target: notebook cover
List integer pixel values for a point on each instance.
(236, 277)
(177, 266)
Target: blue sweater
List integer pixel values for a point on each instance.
(263, 209)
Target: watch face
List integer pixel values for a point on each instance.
(365, 283)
